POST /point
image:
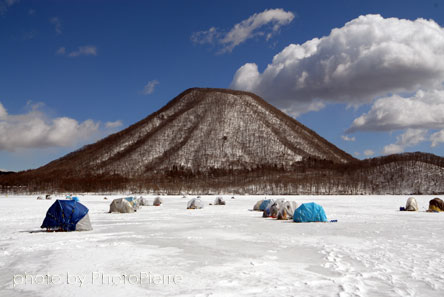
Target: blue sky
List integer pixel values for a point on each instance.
(71, 72)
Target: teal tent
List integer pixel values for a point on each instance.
(309, 212)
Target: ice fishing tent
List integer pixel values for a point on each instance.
(436, 204)
(411, 204)
(273, 208)
(309, 212)
(67, 215)
(123, 205)
(265, 204)
(158, 201)
(133, 202)
(195, 203)
(257, 206)
(287, 210)
(143, 201)
(219, 201)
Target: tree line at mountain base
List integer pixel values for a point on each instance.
(411, 173)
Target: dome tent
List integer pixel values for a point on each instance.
(195, 203)
(436, 205)
(273, 208)
(219, 201)
(257, 206)
(67, 215)
(411, 204)
(309, 212)
(265, 204)
(143, 201)
(123, 205)
(157, 201)
(287, 210)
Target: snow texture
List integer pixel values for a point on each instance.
(373, 250)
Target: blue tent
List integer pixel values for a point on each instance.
(66, 215)
(265, 204)
(309, 212)
(130, 199)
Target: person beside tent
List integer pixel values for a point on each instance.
(287, 210)
(309, 212)
(157, 201)
(436, 205)
(219, 201)
(123, 205)
(195, 203)
(67, 215)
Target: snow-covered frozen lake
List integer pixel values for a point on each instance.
(373, 250)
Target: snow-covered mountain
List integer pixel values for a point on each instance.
(218, 140)
(202, 130)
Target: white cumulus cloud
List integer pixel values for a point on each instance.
(270, 20)
(149, 87)
(424, 109)
(437, 137)
(348, 138)
(36, 130)
(410, 137)
(113, 125)
(368, 57)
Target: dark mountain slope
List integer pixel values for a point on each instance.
(201, 130)
(217, 140)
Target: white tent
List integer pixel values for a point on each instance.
(158, 201)
(143, 201)
(195, 203)
(272, 208)
(219, 201)
(84, 224)
(122, 205)
(287, 210)
(411, 204)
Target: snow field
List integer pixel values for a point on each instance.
(373, 250)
